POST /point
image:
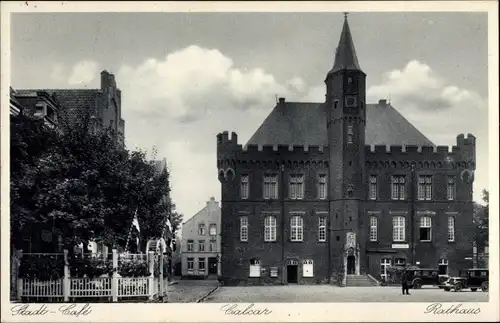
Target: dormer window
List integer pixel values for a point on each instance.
(349, 80)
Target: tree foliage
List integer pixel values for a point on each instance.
(84, 184)
(481, 221)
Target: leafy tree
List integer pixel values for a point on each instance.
(176, 221)
(84, 184)
(481, 221)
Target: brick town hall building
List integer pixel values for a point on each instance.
(342, 187)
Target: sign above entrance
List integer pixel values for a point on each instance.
(400, 246)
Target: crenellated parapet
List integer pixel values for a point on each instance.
(230, 154)
(461, 155)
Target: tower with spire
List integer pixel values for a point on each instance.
(346, 124)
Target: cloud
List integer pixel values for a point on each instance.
(194, 82)
(83, 73)
(180, 102)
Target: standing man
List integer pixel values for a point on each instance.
(404, 282)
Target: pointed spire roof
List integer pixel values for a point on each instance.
(345, 55)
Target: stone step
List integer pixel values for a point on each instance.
(359, 281)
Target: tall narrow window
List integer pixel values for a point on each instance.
(322, 229)
(373, 187)
(270, 186)
(254, 268)
(373, 228)
(385, 263)
(349, 134)
(270, 228)
(212, 247)
(201, 229)
(296, 187)
(190, 246)
(322, 186)
(297, 228)
(398, 228)
(190, 264)
(451, 228)
(213, 229)
(451, 188)
(244, 187)
(425, 228)
(201, 265)
(425, 187)
(243, 228)
(201, 246)
(398, 187)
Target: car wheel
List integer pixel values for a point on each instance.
(485, 286)
(417, 285)
(473, 289)
(446, 289)
(458, 287)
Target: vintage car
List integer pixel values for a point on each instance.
(468, 278)
(426, 277)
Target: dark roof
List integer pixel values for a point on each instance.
(345, 55)
(74, 103)
(297, 123)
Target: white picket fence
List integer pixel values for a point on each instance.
(113, 287)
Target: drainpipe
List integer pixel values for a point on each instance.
(412, 213)
(282, 201)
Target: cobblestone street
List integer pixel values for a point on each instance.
(189, 291)
(325, 293)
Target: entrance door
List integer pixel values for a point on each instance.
(292, 274)
(443, 266)
(212, 266)
(351, 265)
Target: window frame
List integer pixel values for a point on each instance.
(350, 134)
(201, 260)
(243, 228)
(452, 227)
(212, 246)
(322, 227)
(427, 225)
(398, 225)
(201, 229)
(322, 186)
(398, 187)
(256, 265)
(373, 228)
(244, 186)
(212, 225)
(296, 183)
(305, 264)
(201, 245)
(190, 246)
(270, 228)
(190, 260)
(450, 188)
(269, 182)
(373, 187)
(424, 190)
(297, 229)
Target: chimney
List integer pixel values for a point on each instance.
(281, 101)
(212, 200)
(382, 102)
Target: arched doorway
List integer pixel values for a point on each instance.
(351, 265)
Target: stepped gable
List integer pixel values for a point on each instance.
(304, 123)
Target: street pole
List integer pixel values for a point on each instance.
(412, 213)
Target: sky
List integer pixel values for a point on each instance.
(187, 76)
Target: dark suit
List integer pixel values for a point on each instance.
(404, 282)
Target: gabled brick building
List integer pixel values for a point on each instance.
(322, 190)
